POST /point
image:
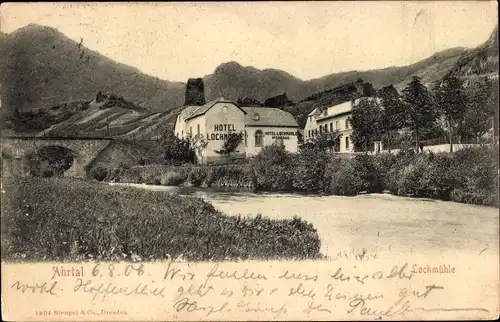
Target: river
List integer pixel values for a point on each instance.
(380, 225)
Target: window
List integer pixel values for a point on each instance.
(309, 133)
(320, 129)
(177, 134)
(337, 125)
(346, 123)
(258, 138)
(182, 133)
(246, 135)
(190, 130)
(347, 143)
(198, 129)
(331, 126)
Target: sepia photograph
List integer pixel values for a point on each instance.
(250, 160)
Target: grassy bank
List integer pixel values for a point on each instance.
(63, 219)
(190, 175)
(467, 176)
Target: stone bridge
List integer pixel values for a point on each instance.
(15, 151)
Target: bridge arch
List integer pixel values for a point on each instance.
(77, 153)
(49, 161)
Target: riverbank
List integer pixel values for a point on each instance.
(370, 226)
(466, 176)
(68, 219)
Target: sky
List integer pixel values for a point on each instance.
(177, 41)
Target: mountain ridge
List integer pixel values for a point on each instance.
(34, 78)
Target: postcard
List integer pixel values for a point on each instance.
(234, 161)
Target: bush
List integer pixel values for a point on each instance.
(178, 150)
(369, 172)
(439, 179)
(197, 176)
(171, 178)
(410, 179)
(273, 168)
(229, 176)
(344, 178)
(382, 165)
(73, 220)
(476, 169)
(426, 176)
(237, 175)
(477, 198)
(98, 172)
(309, 170)
(315, 170)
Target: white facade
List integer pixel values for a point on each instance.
(259, 137)
(212, 122)
(333, 118)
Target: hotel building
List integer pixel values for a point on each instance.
(213, 121)
(330, 119)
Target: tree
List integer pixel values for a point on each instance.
(231, 143)
(324, 141)
(273, 167)
(177, 150)
(451, 102)
(481, 108)
(418, 105)
(366, 120)
(309, 168)
(198, 143)
(393, 117)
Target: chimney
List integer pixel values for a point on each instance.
(195, 92)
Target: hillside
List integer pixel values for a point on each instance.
(480, 61)
(46, 78)
(109, 116)
(41, 67)
(234, 81)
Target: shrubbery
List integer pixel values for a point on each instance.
(272, 168)
(235, 175)
(468, 175)
(309, 172)
(471, 173)
(344, 179)
(171, 178)
(63, 219)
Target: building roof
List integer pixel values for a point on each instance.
(268, 116)
(190, 112)
(254, 116)
(335, 110)
(314, 112)
(343, 108)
